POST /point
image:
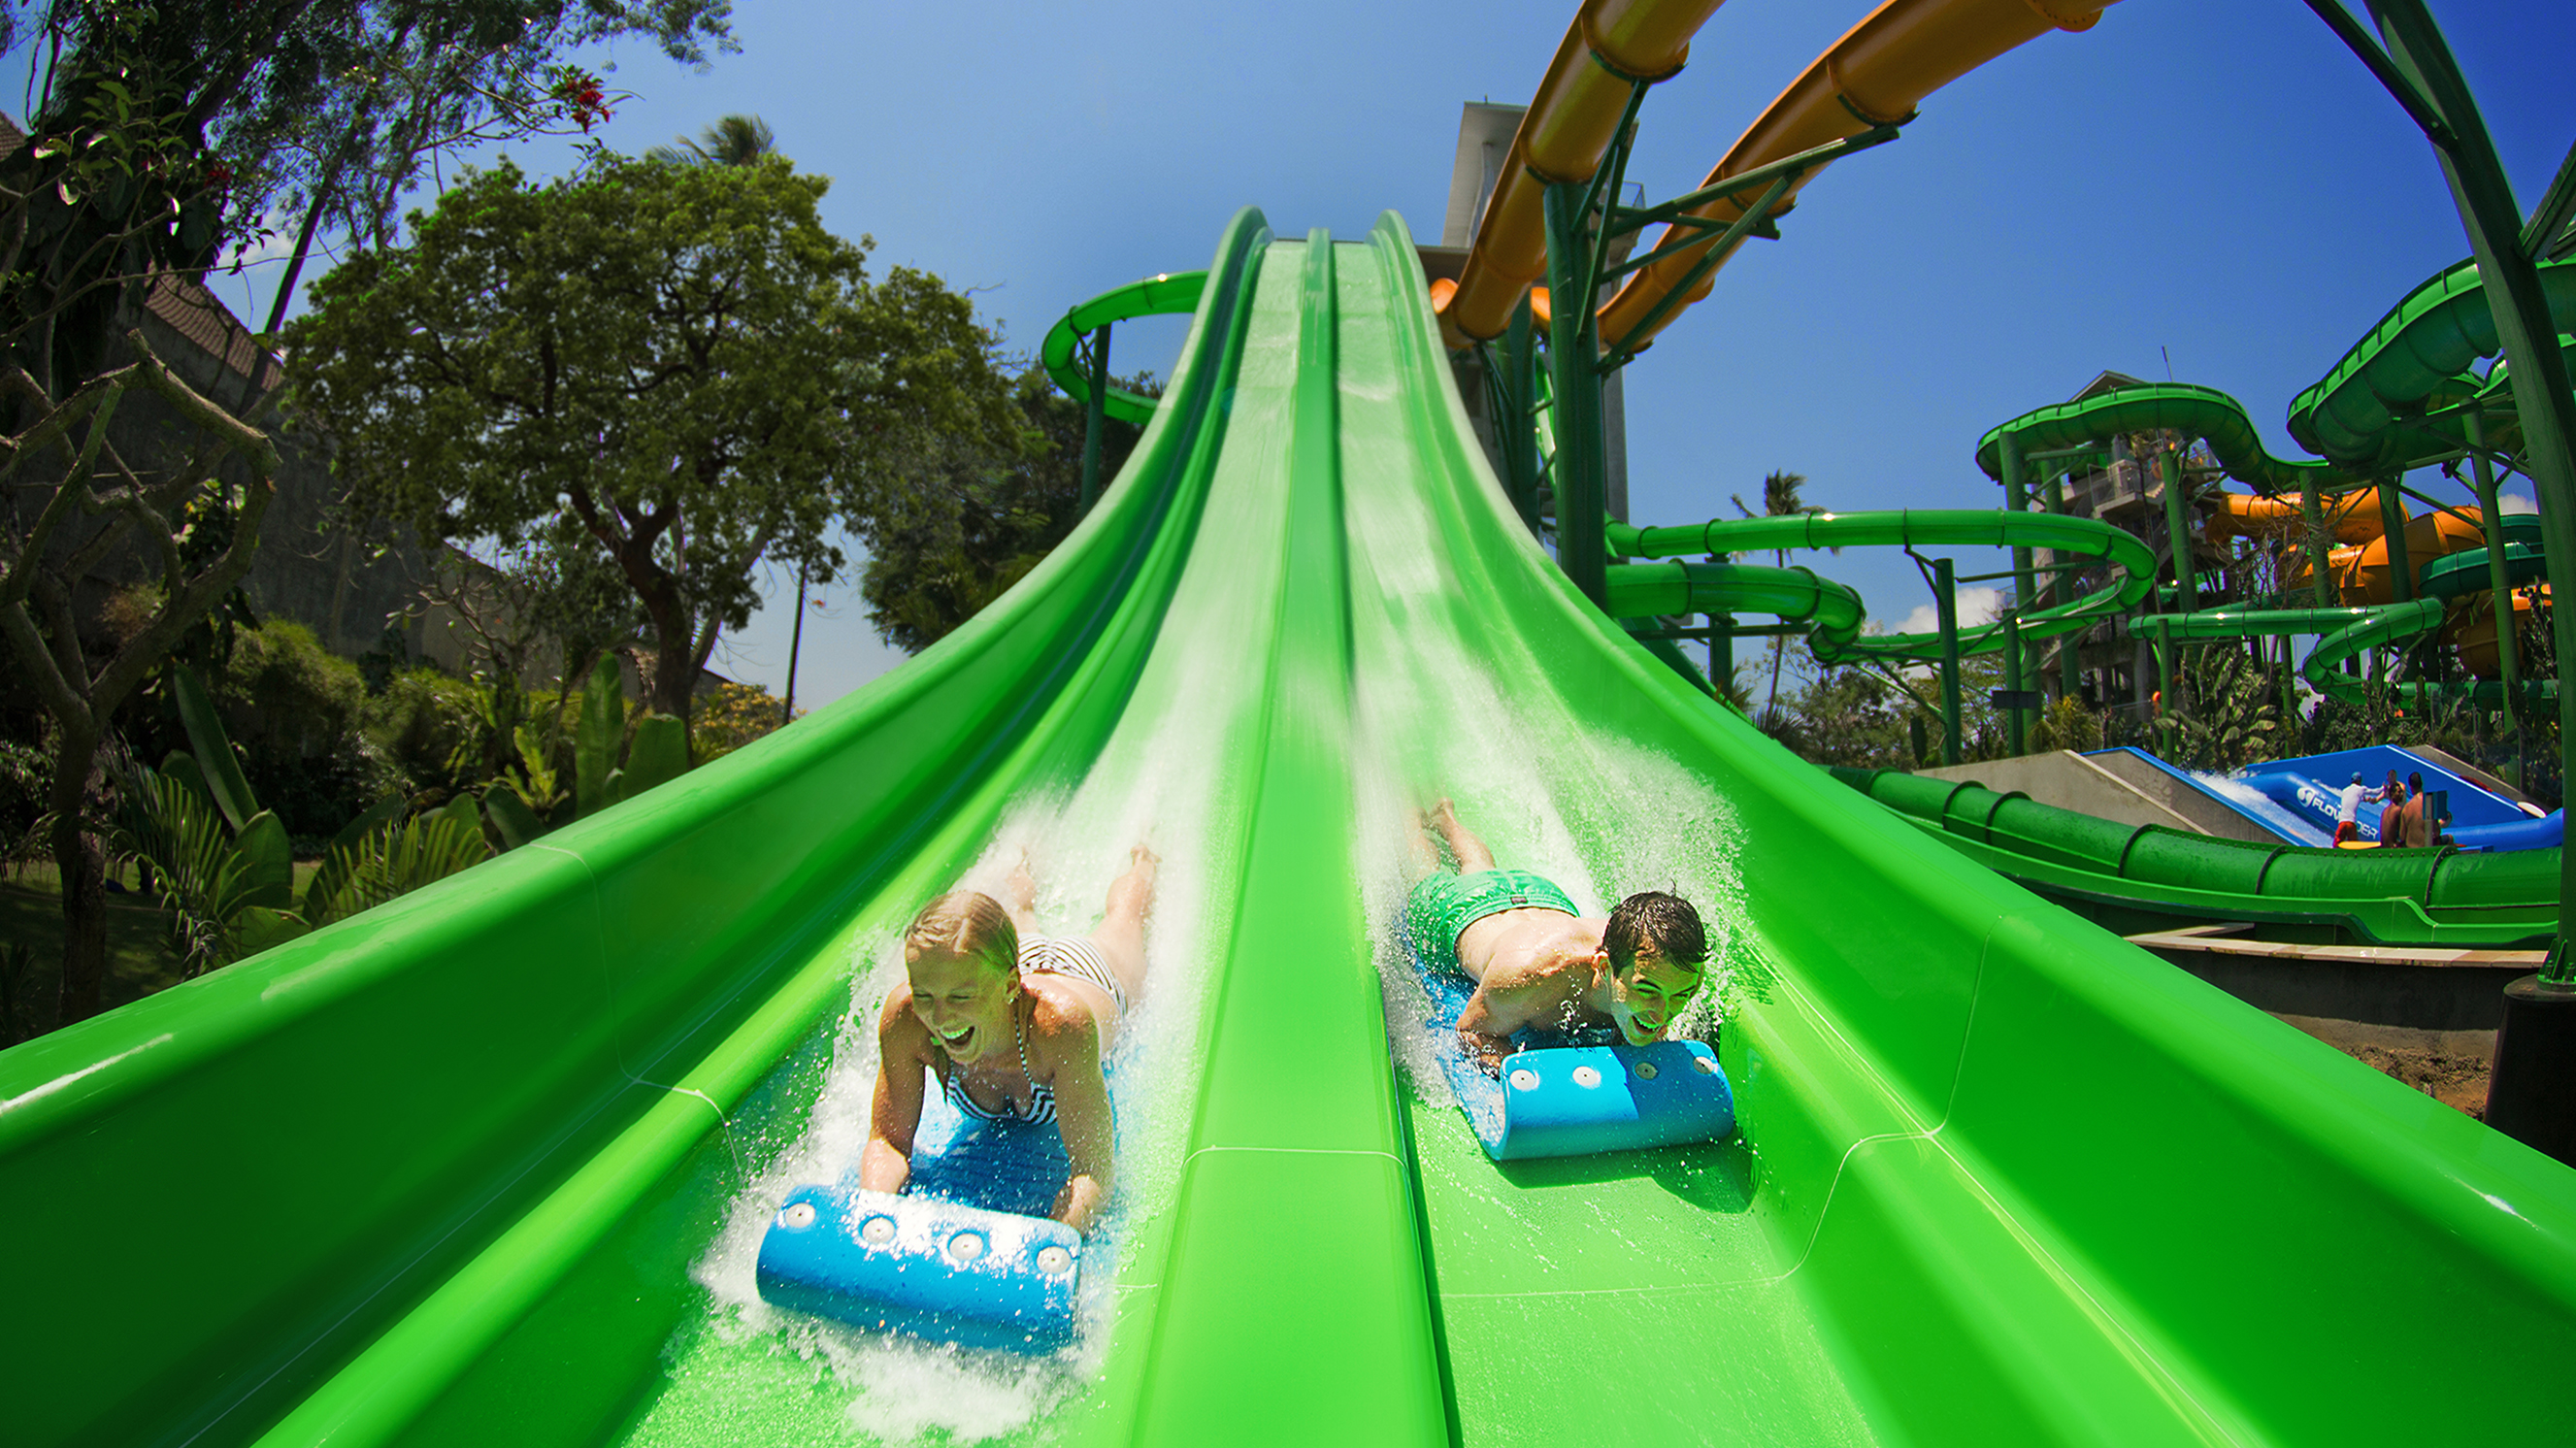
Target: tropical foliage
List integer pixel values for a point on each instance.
(964, 519)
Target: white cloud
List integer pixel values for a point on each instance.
(1976, 606)
(2511, 503)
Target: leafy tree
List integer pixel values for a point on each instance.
(75, 502)
(516, 614)
(674, 368)
(969, 519)
(2066, 724)
(330, 110)
(735, 140)
(1847, 716)
(2235, 711)
(738, 715)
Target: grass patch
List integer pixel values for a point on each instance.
(139, 958)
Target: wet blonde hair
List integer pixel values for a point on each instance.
(966, 923)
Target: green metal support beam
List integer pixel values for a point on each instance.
(2313, 506)
(1095, 416)
(2013, 681)
(1945, 606)
(2178, 529)
(2508, 646)
(1581, 465)
(2392, 527)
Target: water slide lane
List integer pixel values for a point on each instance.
(1295, 1162)
(2003, 1176)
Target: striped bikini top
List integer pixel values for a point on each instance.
(1041, 1098)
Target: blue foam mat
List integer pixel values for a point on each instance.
(966, 1254)
(1575, 1094)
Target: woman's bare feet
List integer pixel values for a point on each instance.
(1121, 936)
(1022, 888)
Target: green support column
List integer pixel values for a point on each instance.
(1517, 429)
(2315, 509)
(2166, 704)
(1095, 417)
(2508, 647)
(1945, 606)
(2392, 524)
(2025, 580)
(2013, 680)
(1574, 352)
(2178, 528)
(2070, 646)
(1721, 652)
(2008, 450)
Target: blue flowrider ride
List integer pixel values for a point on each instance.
(965, 1255)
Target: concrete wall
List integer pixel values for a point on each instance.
(2070, 781)
(2209, 816)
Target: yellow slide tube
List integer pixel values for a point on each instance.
(1562, 138)
(1875, 75)
(2352, 517)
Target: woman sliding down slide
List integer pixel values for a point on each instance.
(1536, 962)
(1012, 1026)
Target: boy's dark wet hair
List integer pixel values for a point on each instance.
(1666, 920)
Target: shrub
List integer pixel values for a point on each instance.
(422, 720)
(737, 715)
(296, 710)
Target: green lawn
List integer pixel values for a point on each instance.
(139, 961)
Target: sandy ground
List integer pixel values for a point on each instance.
(2449, 1066)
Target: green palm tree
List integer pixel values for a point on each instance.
(735, 140)
(1779, 500)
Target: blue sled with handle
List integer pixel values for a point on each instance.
(1577, 1100)
(931, 1268)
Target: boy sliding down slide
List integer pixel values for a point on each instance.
(1537, 963)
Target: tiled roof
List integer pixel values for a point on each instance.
(194, 313)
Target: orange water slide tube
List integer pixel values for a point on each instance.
(1876, 74)
(2361, 571)
(2365, 578)
(2352, 517)
(1562, 137)
(2473, 630)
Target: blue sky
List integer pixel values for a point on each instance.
(2217, 181)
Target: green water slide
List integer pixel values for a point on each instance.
(2187, 408)
(1710, 588)
(476, 1167)
(2379, 407)
(2404, 394)
(2132, 877)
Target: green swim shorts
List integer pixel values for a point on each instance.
(1444, 905)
